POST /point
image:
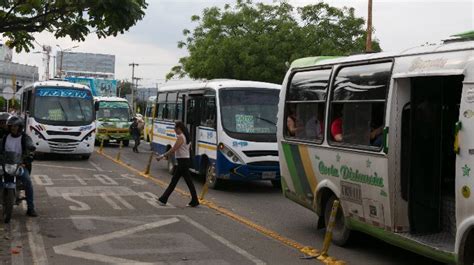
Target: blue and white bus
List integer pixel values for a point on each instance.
(60, 117)
(232, 124)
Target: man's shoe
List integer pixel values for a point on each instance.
(31, 213)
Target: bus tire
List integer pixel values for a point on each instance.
(340, 232)
(276, 183)
(466, 255)
(211, 177)
(126, 142)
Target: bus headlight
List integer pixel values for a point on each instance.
(229, 154)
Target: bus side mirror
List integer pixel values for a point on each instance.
(96, 106)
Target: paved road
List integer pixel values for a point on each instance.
(97, 211)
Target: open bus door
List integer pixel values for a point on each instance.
(192, 122)
(434, 110)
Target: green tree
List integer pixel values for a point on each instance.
(254, 41)
(19, 19)
(124, 87)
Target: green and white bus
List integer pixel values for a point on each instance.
(113, 119)
(390, 135)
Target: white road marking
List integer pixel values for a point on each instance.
(104, 179)
(133, 179)
(43, 180)
(17, 259)
(122, 201)
(35, 241)
(113, 204)
(79, 179)
(90, 191)
(82, 206)
(68, 249)
(224, 241)
(152, 198)
(64, 167)
(96, 166)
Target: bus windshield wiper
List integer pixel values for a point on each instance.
(62, 108)
(269, 121)
(82, 112)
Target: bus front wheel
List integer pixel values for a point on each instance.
(211, 178)
(340, 232)
(126, 142)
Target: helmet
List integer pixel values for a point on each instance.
(15, 120)
(4, 116)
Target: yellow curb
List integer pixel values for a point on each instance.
(310, 251)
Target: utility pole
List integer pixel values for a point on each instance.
(60, 74)
(134, 104)
(47, 52)
(133, 80)
(368, 44)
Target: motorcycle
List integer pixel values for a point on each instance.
(12, 170)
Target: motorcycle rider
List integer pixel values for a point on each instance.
(3, 123)
(17, 141)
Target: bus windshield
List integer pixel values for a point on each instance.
(250, 113)
(113, 111)
(63, 106)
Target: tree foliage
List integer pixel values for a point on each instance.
(124, 87)
(19, 19)
(255, 41)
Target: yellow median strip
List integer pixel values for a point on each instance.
(310, 251)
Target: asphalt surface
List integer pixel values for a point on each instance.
(97, 211)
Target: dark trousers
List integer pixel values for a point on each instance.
(26, 180)
(136, 139)
(181, 170)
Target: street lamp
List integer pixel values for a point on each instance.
(62, 55)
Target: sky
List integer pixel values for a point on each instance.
(152, 42)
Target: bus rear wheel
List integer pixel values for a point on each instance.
(340, 232)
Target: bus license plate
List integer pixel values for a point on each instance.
(268, 175)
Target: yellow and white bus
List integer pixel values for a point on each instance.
(390, 135)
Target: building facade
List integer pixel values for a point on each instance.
(14, 74)
(80, 64)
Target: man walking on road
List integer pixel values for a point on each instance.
(135, 132)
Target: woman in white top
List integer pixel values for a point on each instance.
(181, 151)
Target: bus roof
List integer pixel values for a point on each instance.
(217, 84)
(457, 44)
(310, 61)
(110, 99)
(58, 83)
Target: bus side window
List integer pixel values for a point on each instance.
(305, 105)
(358, 105)
(161, 106)
(208, 117)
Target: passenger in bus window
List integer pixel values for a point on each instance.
(292, 123)
(314, 127)
(376, 136)
(336, 125)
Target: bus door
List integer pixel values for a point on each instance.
(192, 122)
(433, 111)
